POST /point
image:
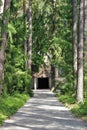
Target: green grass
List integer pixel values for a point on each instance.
(78, 109)
(10, 104)
(67, 99)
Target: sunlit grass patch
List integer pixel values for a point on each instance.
(78, 109)
(10, 104)
(67, 99)
(2, 118)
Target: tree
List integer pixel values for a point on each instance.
(25, 28)
(30, 36)
(85, 41)
(4, 38)
(54, 17)
(54, 68)
(16, 76)
(80, 57)
(75, 40)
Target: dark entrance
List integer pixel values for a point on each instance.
(43, 83)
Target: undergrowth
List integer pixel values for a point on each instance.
(66, 94)
(10, 104)
(79, 109)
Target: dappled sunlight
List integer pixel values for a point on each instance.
(47, 107)
(43, 112)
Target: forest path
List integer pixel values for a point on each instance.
(43, 112)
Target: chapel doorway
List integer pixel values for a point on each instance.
(43, 83)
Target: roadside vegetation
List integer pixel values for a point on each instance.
(10, 104)
(66, 95)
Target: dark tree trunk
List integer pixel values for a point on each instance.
(3, 42)
(54, 69)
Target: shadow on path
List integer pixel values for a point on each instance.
(43, 112)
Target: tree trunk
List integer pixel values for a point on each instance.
(80, 57)
(75, 40)
(25, 40)
(3, 42)
(53, 68)
(85, 37)
(54, 17)
(54, 34)
(30, 36)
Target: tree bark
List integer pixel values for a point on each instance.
(30, 36)
(54, 17)
(80, 57)
(3, 42)
(25, 20)
(75, 40)
(85, 37)
(54, 70)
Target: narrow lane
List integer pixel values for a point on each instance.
(43, 112)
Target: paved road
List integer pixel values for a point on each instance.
(43, 112)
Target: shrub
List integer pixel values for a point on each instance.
(10, 104)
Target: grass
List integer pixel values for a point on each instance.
(78, 109)
(10, 104)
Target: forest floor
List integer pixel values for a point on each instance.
(44, 112)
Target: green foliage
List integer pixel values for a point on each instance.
(67, 99)
(85, 86)
(41, 17)
(66, 85)
(10, 104)
(17, 81)
(59, 46)
(66, 91)
(16, 78)
(80, 109)
(55, 51)
(11, 30)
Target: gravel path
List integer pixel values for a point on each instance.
(43, 112)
